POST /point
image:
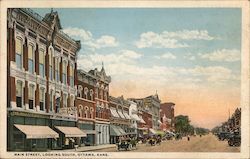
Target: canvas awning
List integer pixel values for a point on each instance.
(121, 114)
(71, 131)
(152, 131)
(37, 132)
(114, 131)
(126, 115)
(135, 117)
(121, 130)
(142, 121)
(159, 121)
(114, 112)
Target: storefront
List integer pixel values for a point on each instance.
(102, 133)
(115, 132)
(29, 132)
(89, 129)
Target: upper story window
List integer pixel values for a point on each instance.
(19, 94)
(91, 95)
(91, 114)
(79, 91)
(80, 111)
(31, 96)
(31, 58)
(96, 92)
(71, 75)
(41, 63)
(51, 100)
(72, 101)
(64, 72)
(42, 99)
(51, 61)
(57, 65)
(64, 100)
(19, 53)
(86, 90)
(86, 112)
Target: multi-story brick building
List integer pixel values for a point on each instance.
(86, 105)
(102, 113)
(41, 82)
(167, 116)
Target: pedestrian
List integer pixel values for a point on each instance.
(188, 137)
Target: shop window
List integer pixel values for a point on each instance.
(19, 53)
(41, 63)
(19, 94)
(57, 65)
(31, 96)
(31, 58)
(42, 98)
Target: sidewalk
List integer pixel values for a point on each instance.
(86, 148)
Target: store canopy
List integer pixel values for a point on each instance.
(142, 121)
(71, 131)
(121, 114)
(37, 132)
(114, 112)
(126, 115)
(121, 130)
(135, 117)
(152, 131)
(89, 131)
(114, 131)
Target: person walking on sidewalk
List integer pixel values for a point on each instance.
(188, 138)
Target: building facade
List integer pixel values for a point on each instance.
(41, 86)
(86, 106)
(167, 116)
(102, 113)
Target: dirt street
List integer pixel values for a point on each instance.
(208, 143)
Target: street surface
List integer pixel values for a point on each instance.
(208, 143)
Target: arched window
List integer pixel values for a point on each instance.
(19, 53)
(86, 112)
(19, 94)
(31, 58)
(41, 63)
(71, 75)
(79, 91)
(64, 72)
(91, 115)
(57, 66)
(86, 90)
(91, 95)
(31, 95)
(51, 62)
(42, 98)
(72, 101)
(80, 111)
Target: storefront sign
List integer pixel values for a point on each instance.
(29, 115)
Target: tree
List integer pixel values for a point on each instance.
(182, 124)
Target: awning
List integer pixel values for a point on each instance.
(121, 114)
(114, 113)
(135, 117)
(152, 131)
(71, 131)
(89, 131)
(127, 116)
(142, 121)
(37, 132)
(159, 121)
(121, 130)
(114, 131)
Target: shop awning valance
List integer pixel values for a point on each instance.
(121, 114)
(127, 116)
(114, 131)
(135, 117)
(114, 113)
(37, 132)
(71, 131)
(89, 131)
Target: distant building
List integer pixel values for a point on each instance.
(167, 116)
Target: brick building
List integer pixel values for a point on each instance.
(41, 82)
(167, 116)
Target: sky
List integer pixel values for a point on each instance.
(190, 56)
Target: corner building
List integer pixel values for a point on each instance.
(41, 86)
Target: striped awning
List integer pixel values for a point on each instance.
(71, 131)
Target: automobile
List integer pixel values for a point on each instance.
(223, 135)
(234, 139)
(126, 144)
(169, 136)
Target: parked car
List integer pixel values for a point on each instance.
(126, 144)
(234, 139)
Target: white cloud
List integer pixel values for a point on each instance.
(88, 41)
(189, 56)
(223, 55)
(171, 39)
(166, 56)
